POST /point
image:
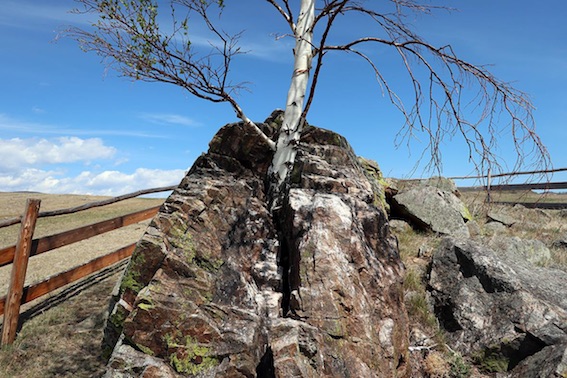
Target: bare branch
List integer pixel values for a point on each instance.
(285, 13)
(129, 38)
(449, 96)
(448, 76)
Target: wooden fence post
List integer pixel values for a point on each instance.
(19, 267)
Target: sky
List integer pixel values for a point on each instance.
(69, 124)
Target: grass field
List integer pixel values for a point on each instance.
(516, 196)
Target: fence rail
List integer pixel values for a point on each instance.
(555, 170)
(529, 186)
(18, 255)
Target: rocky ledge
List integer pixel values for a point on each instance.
(218, 287)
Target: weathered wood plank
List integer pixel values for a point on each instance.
(495, 188)
(48, 243)
(55, 282)
(90, 205)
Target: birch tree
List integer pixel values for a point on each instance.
(129, 35)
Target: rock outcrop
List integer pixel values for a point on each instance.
(431, 208)
(218, 287)
(508, 314)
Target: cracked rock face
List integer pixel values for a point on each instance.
(508, 313)
(218, 287)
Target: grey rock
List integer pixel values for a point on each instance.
(399, 225)
(551, 361)
(127, 362)
(474, 228)
(432, 209)
(501, 217)
(533, 251)
(492, 228)
(561, 242)
(497, 305)
(438, 182)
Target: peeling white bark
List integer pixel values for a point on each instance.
(292, 126)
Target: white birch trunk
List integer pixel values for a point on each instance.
(292, 125)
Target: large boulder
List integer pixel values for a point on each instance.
(498, 307)
(431, 208)
(204, 276)
(218, 287)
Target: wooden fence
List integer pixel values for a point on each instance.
(490, 189)
(18, 255)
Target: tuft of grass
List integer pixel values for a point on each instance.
(436, 365)
(459, 367)
(410, 243)
(413, 280)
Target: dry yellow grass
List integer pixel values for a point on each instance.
(64, 258)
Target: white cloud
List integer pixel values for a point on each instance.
(17, 153)
(110, 183)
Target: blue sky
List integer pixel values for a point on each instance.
(69, 125)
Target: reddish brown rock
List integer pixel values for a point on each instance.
(217, 288)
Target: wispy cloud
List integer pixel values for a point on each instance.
(8, 123)
(24, 14)
(265, 47)
(169, 119)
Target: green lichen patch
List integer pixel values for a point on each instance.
(337, 329)
(131, 278)
(118, 317)
(146, 306)
(181, 238)
(210, 264)
(307, 255)
(374, 175)
(466, 214)
(190, 357)
(144, 349)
